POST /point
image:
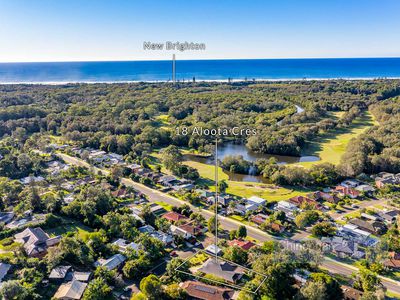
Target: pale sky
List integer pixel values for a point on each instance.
(95, 30)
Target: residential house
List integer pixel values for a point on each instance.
(81, 276)
(373, 227)
(193, 230)
(259, 219)
(204, 194)
(213, 249)
(388, 216)
(350, 183)
(168, 180)
(347, 191)
(322, 196)
(123, 245)
(173, 217)
(164, 238)
(245, 245)
(35, 241)
(342, 248)
(302, 200)
(186, 186)
(384, 179)
(6, 217)
(393, 261)
(257, 201)
(146, 229)
(222, 269)
(288, 208)
(72, 290)
(199, 290)
(112, 263)
(177, 231)
(365, 188)
(350, 293)
(59, 273)
(4, 268)
(352, 232)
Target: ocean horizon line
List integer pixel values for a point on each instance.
(200, 59)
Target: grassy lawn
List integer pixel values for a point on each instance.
(164, 205)
(269, 192)
(73, 227)
(331, 146)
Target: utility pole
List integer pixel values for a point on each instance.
(216, 199)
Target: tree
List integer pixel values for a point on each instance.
(211, 225)
(242, 232)
(280, 281)
(13, 289)
(106, 274)
(310, 254)
(134, 268)
(305, 218)
(151, 287)
(313, 291)
(323, 229)
(366, 280)
(236, 254)
(232, 234)
(138, 296)
(172, 272)
(222, 186)
(97, 289)
(171, 157)
(173, 291)
(333, 289)
(162, 224)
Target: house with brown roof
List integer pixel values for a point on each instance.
(245, 245)
(374, 227)
(35, 241)
(393, 262)
(173, 216)
(302, 200)
(198, 290)
(347, 191)
(350, 293)
(259, 219)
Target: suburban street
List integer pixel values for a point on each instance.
(329, 264)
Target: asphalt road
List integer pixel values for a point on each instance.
(230, 224)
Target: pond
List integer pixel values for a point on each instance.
(240, 149)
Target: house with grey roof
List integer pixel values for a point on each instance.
(35, 241)
(112, 263)
(222, 269)
(72, 290)
(4, 268)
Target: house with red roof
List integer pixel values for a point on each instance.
(173, 216)
(245, 245)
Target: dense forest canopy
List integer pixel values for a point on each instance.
(127, 117)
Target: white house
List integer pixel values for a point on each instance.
(256, 201)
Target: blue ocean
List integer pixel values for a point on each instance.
(235, 69)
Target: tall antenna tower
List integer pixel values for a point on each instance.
(173, 69)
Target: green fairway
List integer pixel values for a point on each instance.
(331, 146)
